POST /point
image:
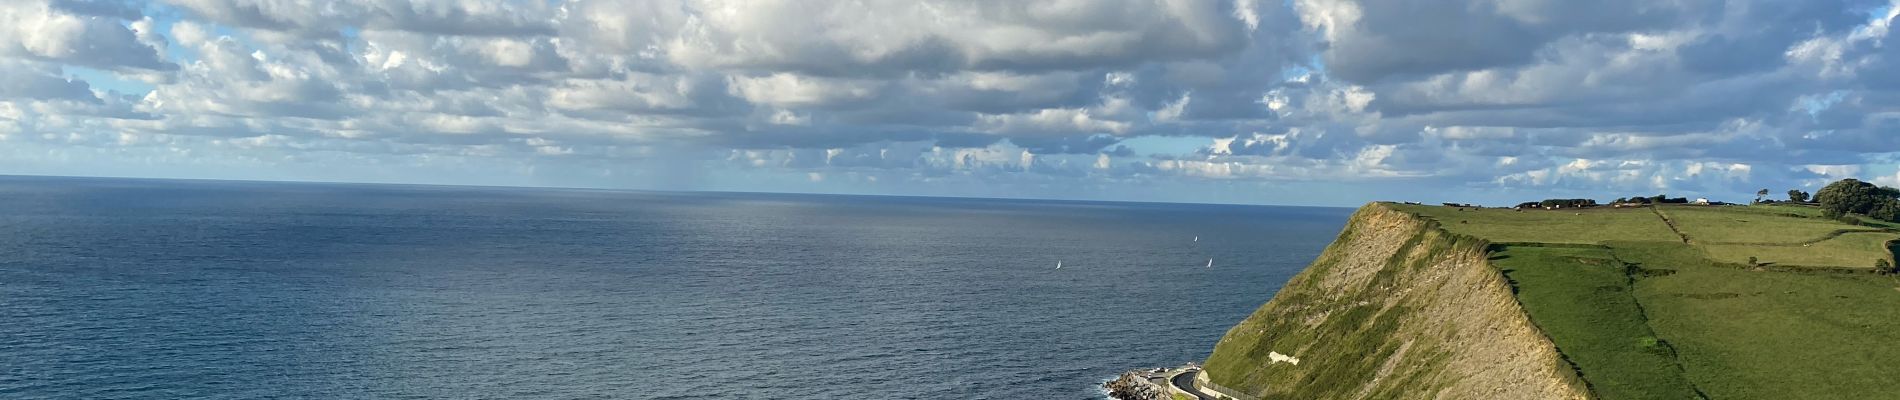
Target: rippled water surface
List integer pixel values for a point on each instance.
(172, 289)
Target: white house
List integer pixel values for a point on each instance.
(1701, 201)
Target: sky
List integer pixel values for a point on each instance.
(1300, 102)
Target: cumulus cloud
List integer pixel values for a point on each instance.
(326, 18)
(884, 37)
(38, 82)
(75, 33)
(1695, 95)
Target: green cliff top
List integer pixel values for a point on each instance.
(1684, 301)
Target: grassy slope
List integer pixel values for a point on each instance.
(1369, 319)
(1351, 325)
(1735, 333)
(1608, 340)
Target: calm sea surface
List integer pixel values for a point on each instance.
(179, 289)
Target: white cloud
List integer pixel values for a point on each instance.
(37, 30)
(1890, 180)
(791, 90)
(1671, 94)
(1053, 120)
(833, 38)
(324, 18)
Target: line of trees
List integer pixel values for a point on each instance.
(1794, 196)
(1797, 196)
(1657, 199)
(1564, 203)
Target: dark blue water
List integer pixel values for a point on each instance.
(175, 289)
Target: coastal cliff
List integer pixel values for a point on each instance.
(1394, 308)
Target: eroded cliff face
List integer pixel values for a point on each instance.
(1394, 308)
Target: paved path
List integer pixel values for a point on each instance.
(1185, 382)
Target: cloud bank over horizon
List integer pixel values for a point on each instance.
(1299, 102)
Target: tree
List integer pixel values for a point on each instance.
(1882, 266)
(1760, 194)
(1887, 211)
(1798, 196)
(1853, 196)
(1752, 261)
(1566, 203)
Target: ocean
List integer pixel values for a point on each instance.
(143, 289)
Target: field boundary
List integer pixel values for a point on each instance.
(1550, 245)
(1630, 271)
(1671, 224)
(1661, 303)
(1576, 370)
(1826, 237)
(1794, 268)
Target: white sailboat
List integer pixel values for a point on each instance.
(1210, 263)
(1197, 238)
(1058, 264)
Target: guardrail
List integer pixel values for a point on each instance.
(1202, 382)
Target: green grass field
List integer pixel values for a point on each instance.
(1721, 225)
(1609, 340)
(1772, 335)
(1585, 226)
(1777, 208)
(1853, 250)
(1646, 316)
(1780, 236)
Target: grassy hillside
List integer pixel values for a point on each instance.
(1395, 308)
(1681, 314)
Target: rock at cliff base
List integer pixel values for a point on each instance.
(1133, 385)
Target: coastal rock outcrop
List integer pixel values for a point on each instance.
(1133, 385)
